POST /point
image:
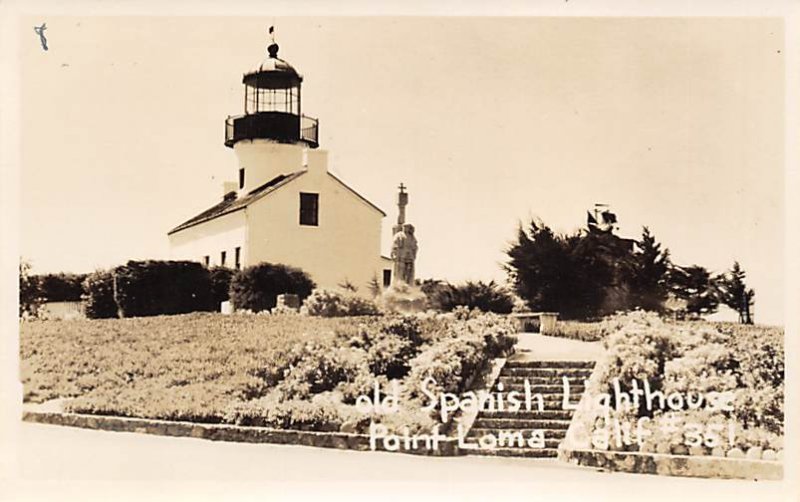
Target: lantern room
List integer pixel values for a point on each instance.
(272, 106)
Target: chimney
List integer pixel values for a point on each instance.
(229, 190)
(317, 161)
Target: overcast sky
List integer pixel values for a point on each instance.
(678, 124)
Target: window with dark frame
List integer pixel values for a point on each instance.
(206, 260)
(237, 257)
(309, 209)
(387, 277)
(241, 178)
(222, 259)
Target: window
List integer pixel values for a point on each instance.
(237, 256)
(206, 260)
(387, 277)
(222, 259)
(309, 209)
(241, 178)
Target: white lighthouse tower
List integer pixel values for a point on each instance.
(273, 136)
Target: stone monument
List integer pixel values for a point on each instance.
(403, 295)
(404, 244)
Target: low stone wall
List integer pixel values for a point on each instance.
(676, 465)
(225, 432)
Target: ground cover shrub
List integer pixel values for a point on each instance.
(699, 358)
(284, 371)
(575, 330)
(329, 303)
(257, 287)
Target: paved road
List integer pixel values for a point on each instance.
(62, 463)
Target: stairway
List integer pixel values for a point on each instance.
(545, 378)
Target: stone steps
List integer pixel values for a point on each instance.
(516, 423)
(528, 415)
(549, 372)
(514, 452)
(555, 434)
(512, 364)
(545, 378)
(540, 389)
(520, 380)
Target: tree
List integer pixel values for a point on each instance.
(694, 286)
(649, 281)
(542, 271)
(29, 291)
(733, 292)
(581, 276)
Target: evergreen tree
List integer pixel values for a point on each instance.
(695, 286)
(649, 281)
(733, 292)
(541, 269)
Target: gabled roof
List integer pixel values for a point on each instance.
(230, 204)
(370, 204)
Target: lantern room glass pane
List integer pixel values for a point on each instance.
(272, 100)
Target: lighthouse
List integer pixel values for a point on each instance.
(283, 204)
(273, 134)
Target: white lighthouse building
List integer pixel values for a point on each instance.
(285, 205)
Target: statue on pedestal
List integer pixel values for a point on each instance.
(404, 244)
(403, 295)
(404, 252)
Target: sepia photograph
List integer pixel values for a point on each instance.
(540, 252)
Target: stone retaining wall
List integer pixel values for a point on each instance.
(675, 465)
(225, 432)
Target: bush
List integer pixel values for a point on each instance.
(327, 303)
(220, 284)
(699, 358)
(321, 370)
(29, 293)
(98, 296)
(61, 287)
(487, 297)
(256, 288)
(148, 288)
(296, 414)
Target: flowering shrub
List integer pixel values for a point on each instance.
(323, 414)
(700, 358)
(328, 303)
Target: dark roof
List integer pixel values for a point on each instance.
(230, 204)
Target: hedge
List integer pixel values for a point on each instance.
(61, 287)
(146, 288)
(98, 295)
(256, 287)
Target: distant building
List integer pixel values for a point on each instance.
(285, 206)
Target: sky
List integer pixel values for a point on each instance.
(676, 123)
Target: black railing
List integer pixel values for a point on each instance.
(283, 127)
(309, 130)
